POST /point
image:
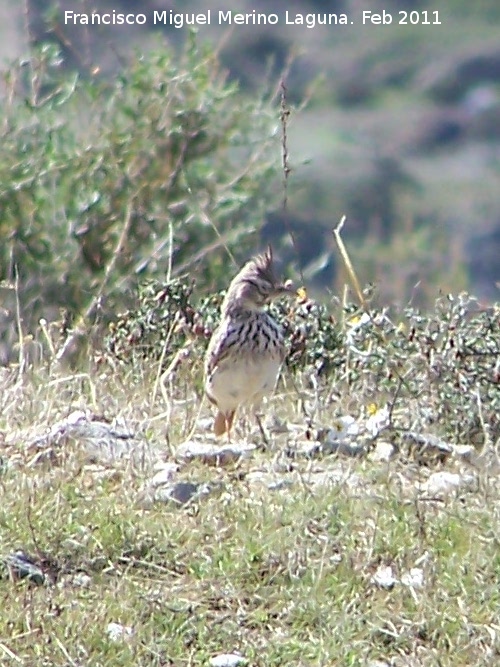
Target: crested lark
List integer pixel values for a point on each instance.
(246, 350)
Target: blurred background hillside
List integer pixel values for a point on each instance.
(400, 131)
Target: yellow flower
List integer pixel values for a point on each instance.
(302, 294)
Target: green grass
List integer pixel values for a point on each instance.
(282, 576)
(281, 573)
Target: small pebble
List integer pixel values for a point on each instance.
(384, 577)
(118, 632)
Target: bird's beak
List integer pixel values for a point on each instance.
(285, 288)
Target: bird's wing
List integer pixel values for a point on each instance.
(224, 338)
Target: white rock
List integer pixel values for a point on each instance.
(441, 482)
(384, 577)
(414, 578)
(101, 441)
(82, 580)
(76, 417)
(227, 660)
(428, 445)
(466, 452)
(118, 632)
(215, 454)
(164, 475)
(383, 452)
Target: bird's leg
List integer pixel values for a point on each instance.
(219, 423)
(223, 423)
(229, 417)
(261, 429)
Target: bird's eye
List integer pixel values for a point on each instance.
(262, 290)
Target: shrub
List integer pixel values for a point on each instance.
(437, 371)
(107, 182)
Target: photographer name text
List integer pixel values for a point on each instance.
(228, 18)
